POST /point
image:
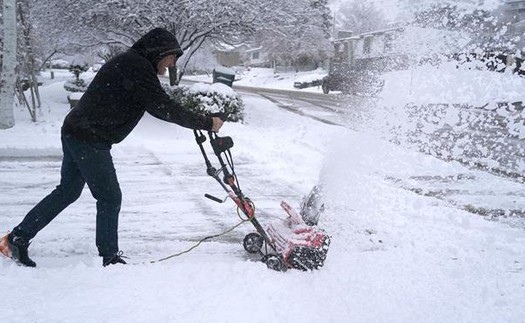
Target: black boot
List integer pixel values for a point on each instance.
(114, 259)
(18, 247)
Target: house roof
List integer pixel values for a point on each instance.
(254, 49)
(369, 34)
(223, 47)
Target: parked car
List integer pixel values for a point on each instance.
(304, 85)
(336, 82)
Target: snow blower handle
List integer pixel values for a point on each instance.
(215, 199)
(220, 145)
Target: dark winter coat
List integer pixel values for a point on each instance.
(126, 87)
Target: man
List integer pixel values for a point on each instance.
(123, 89)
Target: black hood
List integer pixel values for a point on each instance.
(157, 44)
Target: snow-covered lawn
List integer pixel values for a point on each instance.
(396, 256)
(267, 78)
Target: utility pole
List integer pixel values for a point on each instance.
(9, 64)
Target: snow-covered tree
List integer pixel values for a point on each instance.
(88, 24)
(80, 25)
(9, 64)
(28, 66)
(299, 31)
(203, 60)
(50, 35)
(360, 17)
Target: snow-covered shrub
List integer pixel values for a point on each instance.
(77, 84)
(73, 85)
(209, 98)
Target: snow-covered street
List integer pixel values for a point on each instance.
(396, 255)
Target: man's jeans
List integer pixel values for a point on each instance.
(83, 163)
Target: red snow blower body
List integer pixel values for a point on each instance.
(292, 242)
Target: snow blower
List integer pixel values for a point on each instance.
(293, 242)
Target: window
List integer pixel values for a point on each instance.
(389, 46)
(367, 46)
(255, 55)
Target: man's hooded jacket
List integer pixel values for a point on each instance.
(124, 88)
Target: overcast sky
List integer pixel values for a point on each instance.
(391, 7)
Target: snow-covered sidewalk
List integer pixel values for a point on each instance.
(396, 256)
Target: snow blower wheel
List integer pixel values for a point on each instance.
(253, 242)
(273, 262)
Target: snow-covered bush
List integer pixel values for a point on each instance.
(210, 98)
(77, 84)
(73, 85)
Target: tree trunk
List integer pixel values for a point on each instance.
(9, 63)
(188, 53)
(30, 57)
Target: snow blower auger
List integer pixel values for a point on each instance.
(293, 242)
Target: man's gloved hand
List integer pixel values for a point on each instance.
(217, 124)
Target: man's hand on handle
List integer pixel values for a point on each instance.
(217, 124)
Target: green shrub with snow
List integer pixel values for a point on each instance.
(77, 84)
(73, 85)
(209, 98)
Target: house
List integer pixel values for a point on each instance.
(515, 8)
(514, 12)
(256, 57)
(242, 55)
(398, 47)
(371, 48)
(229, 55)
